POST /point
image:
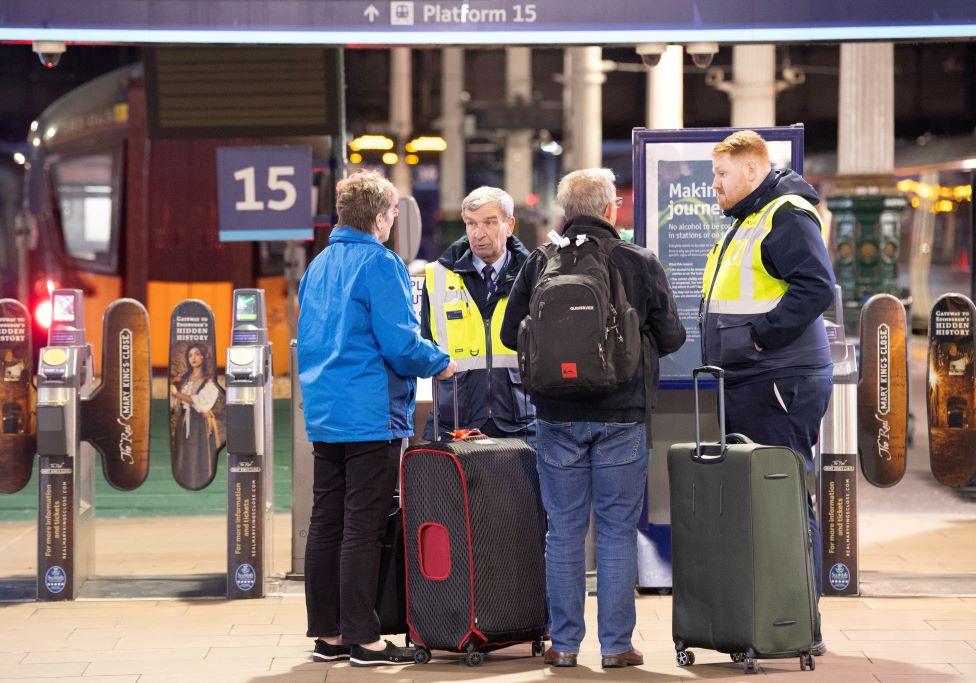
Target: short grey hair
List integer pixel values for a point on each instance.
(586, 192)
(485, 195)
(361, 196)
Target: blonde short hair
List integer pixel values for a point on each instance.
(361, 196)
(586, 192)
(743, 143)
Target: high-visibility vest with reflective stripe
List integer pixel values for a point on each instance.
(457, 326)
(743, 285)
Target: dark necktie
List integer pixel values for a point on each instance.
(488, 272)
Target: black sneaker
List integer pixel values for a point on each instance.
(391, 654)
(818, 649)
(324, 652)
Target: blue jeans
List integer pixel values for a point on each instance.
(603, 464)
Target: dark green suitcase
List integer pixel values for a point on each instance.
(741, 552)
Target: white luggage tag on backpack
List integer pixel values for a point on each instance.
(580, 239)
(558, 239)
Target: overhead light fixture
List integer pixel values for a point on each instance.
(427, 143)
(369, 143)
(390, 158)
(19, 158)
(355, 158)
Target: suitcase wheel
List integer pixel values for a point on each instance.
(421, 656)
(752, 665)
(738, 657)
(474, 659)
(685, 657)
(537, 648)
(806, 662)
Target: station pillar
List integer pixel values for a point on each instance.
(865, 203)
(451, 181)
(518, 144)
(583, 104)
(665, 90)
(753, 91)
(401, 113)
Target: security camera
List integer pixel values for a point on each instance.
(702, 53)
(650, 53)
(49, 52)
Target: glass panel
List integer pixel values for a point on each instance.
(84, 186)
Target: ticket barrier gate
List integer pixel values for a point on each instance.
(835, 466)
(66, 491)
(250, 449)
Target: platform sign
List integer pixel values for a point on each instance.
(505, 22)
(417, 292)
(677, 216)
(264, 193)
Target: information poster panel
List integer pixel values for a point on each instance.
(677, 216)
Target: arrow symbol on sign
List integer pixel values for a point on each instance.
(371, 13)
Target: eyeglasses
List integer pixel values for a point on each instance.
(618, 202)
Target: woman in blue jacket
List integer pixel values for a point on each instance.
(359, 354)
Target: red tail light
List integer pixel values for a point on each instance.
(42, 314)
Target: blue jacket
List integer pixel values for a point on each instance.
(792, 335)
(359, 344)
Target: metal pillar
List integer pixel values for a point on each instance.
(583, 107)
(665, 90)
(401, 114)
(867, 203)
(518, 144)
(452, 128)
(753, 91)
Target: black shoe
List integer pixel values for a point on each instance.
(391, 654)
(324, 652)
(818, 649)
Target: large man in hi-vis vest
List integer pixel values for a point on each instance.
(464, 301)
(765, 286)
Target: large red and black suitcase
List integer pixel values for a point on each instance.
(474, 534)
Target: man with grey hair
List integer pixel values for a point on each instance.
(464, 302)
(592, 447)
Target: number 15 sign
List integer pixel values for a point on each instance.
(264, 193)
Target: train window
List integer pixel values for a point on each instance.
(88, 206)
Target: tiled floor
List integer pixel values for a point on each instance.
(870, 639)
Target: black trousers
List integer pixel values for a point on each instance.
(353, 488)
(784, 412)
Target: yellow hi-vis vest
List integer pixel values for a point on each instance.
(458, 327)
(742, 284)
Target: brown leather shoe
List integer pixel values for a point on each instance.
(632, 657)
(553, 658)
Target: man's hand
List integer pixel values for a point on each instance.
(447, 372)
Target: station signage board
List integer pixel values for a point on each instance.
(676, 216)
(264, 193)
(478, 22)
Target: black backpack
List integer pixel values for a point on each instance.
(581, 337)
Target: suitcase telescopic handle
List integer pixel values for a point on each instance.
(433, 395)
(701, 453)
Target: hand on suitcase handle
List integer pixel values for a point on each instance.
(447, 372)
